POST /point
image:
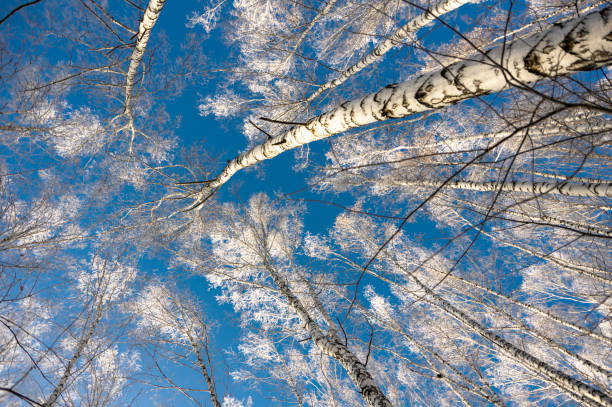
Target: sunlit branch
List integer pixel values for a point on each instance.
(577, 45)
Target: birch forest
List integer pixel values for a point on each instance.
(310, 203)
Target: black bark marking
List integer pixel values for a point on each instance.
(422, 93)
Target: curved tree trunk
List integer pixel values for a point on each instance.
(579, 44)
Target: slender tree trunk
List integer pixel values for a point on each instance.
(587, 271)
(331, 325)
(583, 180)
(475, 388)
(209, 383)
(580, 44)
(142, 38)
(534, 309)
(540, 133)
(579, 227)
(61, 385)
(441, 8)
(578, 388)
(536, 188)
(330, 346)
(593, 369)
(314, 21)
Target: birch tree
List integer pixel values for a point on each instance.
(175, 326)
(521, 63)
(359, 232)
(469, 264)
(253, 282)
(65, 353)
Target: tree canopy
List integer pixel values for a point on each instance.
(310, 203)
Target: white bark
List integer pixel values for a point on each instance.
(592, 369)
(580, 389)
(569, 8)
(573, 225)
(534, 309)
(587, 271)
(332, 347)
(78, 353)
(536, 188)
(204, 370)
(142, 38)
(443, 7)
(475, 388)
(577, 45)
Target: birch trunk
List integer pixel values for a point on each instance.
(580, 44)
(593, 369)
(580, 389)
(330, 346)
(536, 188)
(583, 270)
(61, 385)
(142, 38)
(534, 309)
(207, 378)
(443, 7)
(573, 225)
(475, 388)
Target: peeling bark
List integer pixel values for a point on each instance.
(579, 44)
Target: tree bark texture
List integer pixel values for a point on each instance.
(330, 346)
(580, 44)
(443, 7)
(142, 38)
(536, 188)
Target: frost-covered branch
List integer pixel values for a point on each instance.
(332, 347)
(580, 44)
(441, 8)
(534, 309)
(581, 390)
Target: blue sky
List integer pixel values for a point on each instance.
(44, 176)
